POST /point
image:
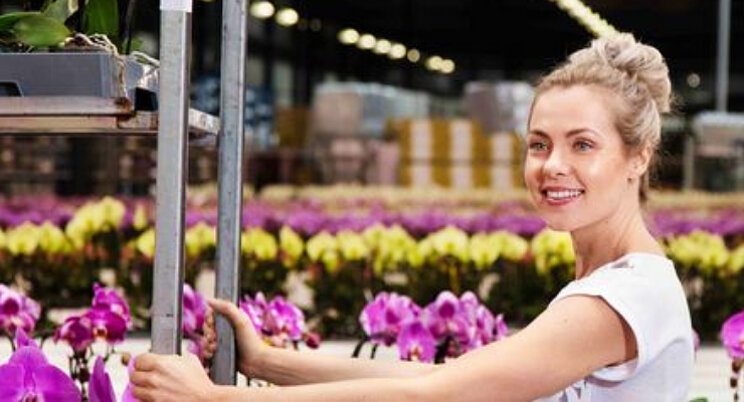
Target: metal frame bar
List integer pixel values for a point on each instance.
(175, 46)
(722, 56)
(230, 140)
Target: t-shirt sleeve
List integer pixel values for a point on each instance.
(640, 301)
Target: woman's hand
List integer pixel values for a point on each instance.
(251, 349)
(170, 378)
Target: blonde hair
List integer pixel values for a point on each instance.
(634, 73)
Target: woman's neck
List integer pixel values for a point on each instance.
(611, 238)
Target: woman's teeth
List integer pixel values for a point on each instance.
(560, 195)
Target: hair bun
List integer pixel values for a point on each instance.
(643, 63)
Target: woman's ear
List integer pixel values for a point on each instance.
(639, 164)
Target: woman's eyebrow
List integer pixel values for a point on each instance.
(570, 133)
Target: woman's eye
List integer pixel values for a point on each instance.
(538, 146)
(583, 146)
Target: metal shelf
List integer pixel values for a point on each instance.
(63, 115)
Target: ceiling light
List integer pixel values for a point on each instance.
(348, 36)
(382, 46)
(413, 55)
(693, 80)
(287, 17)
(434, 63)
(367, 42)
(447, 66)
(397, 51)
(262, 10)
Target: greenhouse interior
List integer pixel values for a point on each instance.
(385, 180)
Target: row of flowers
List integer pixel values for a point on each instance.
(109, 242)
(28, 375)
(447, 327)
(308, 216)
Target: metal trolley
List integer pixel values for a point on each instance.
(172, 123)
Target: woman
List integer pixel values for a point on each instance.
(619, 332)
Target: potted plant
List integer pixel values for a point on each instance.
(68, 47)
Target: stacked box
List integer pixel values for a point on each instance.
(455, 153)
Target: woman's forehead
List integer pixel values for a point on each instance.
(562, 110)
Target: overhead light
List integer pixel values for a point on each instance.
(287, 17)
(397, 51)
(367, 42)
(348, 36)
(693, 80)
(382, 46)
(262, 10)
(413, 55)
(447, 66)
(434, 63)
(591, 20)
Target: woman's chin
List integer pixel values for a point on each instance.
(560, 225)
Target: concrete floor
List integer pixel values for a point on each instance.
(711, 378)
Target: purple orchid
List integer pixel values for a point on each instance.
(127, 395)
(22, 339)
(502, 330)
(17, 311)
(382, 318)
(28, 376)
(284, 319)
(101, 389)
(194, 311)
(416, 343)
(109, 299)
(732, 334)
(77, 331)
(444, 318)
(254, 309)
(107, 325)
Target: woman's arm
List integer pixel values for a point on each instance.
(573, 338)
(286, 367)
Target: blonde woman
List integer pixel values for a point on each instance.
(619, 332)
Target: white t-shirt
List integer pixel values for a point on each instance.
(644, 289)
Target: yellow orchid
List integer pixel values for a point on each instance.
(352, 246)
(139, 219)
(259, 244)
(3, 240)
(291, 244)
(373, 235)
(320, 244)
(23, 239)
(52, 239)
(331, 261)
(736, 260)
(451, 241)
(552, 249)
(513, 247)
(112, 211)
(484, 250)
(199, 238)
(145, 243)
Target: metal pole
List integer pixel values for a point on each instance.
(232, 103)
(722, 59)
(175, 43)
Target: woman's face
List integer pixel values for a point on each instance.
(577, 167)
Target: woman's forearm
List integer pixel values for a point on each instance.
(368, 390)
(287, 367)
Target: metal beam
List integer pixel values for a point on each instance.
(722, 56)
(230, 139)
(175, 44)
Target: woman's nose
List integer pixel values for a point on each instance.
(556, 164)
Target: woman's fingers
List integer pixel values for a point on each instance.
(230, 311)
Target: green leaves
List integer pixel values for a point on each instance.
(47, 28)
(61, 10)
(40, 31)
(102, 17)
(8, 20)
